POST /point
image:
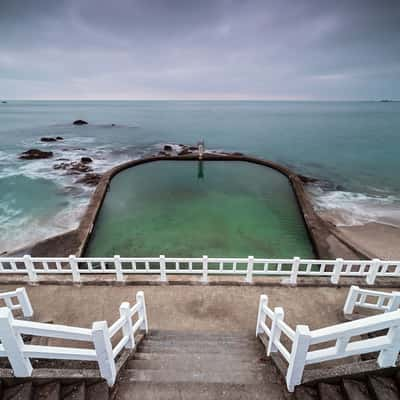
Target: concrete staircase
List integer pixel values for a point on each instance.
(370, 387)
(181, 365)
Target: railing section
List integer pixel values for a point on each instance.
(100, 336)
(302, 340)
(205, 266)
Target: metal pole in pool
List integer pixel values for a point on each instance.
(200, 146)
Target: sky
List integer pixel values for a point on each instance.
(200, 49)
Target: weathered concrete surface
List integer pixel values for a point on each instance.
(326, 243)
(186, 307)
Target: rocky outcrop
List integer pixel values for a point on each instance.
(35, 154)
(86, 160)
(72, 168)
(90, 179)
(80, 122)
(168, 148)
(51, 139)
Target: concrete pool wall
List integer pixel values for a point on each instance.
(326, 240)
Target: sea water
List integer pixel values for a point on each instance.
(351, 146)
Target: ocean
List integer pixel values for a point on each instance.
(352, 147)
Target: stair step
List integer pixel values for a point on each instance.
(197, 391)
(172, 376)
(197, 339)
(383, 388)
(194, 363)
(356, 390)
(48, 391)
(22, 391)
(198, 348)
(210, 357)
(97, 391)
(155, 334)
(306, 393)
(74, 391)
(328, 391)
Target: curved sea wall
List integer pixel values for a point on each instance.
(326, 240)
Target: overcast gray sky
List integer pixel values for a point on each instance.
(200, 49)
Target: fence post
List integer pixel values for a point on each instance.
(30, 268)
(298, 357)
(337, 269)
(249, 273)
(118, 268)
(104, 353)
(125, 312)
(13, 345)
(204, 278)
(394, 302)
(351, 300)
(295, 271)
(373, 270)
(163, 272)
(76, 276)
(142, 311)
(275, 330)
(388, 356)
(261, 315)
(26, 305)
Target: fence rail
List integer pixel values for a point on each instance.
(99, 337)
(203, 266)
(22, 301)
(301, 352)
(371, 299)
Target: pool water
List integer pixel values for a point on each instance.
(190, 209)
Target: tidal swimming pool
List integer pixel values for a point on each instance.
(193, 208)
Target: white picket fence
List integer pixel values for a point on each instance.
(203, 266)
(99, 337)
(371, 299)
(300, 353)
(18, 300)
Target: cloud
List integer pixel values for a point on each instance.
(311, 49)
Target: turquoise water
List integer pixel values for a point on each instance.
(352, 145)
(225, 209)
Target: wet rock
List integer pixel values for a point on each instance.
(186, 150)
(73, 167)
(162, 153)
(193, 148)
(91, 179)
(307, 179)
(35, 154)
(236, 153)
(4, 102)
(80, 122)
(168, 148)
(51, 139)
(86, 160)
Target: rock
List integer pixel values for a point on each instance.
(48, 139)
(162, 153)
(90, 179)
(35, 154)
(86, 160)
(236, 153)
(185, 151)
(73, 167)
(167, 147)
(307, 179)
(193, 148)
(4, 102)
(59, 138)
(80, 122)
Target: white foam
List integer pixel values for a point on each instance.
(357, 208)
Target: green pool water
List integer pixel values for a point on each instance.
(188, 209)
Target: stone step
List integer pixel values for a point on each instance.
(328, 391)
(356, 390)
(174, 376)
(197, 391)
(383, 388)
(194, 347)
(22, 391)
(184, 335)
(229, 358)
(202, 338)
(193, 363)
(47, 391)
(73, 391)
(97, 391)
(306, 393)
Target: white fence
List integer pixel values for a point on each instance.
(99, 337)
(302, 339)
(18, 300)
(371, 299)
(203, 266)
